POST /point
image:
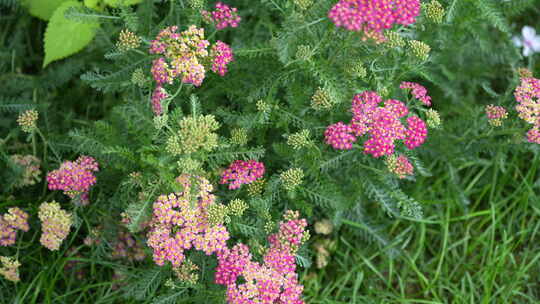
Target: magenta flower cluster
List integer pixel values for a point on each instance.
(180, 222)
(242, 172)
(222, 55)
(418, 91)
(527, 95)
(382, 124)
(74, 178)
(223, 17)
(373, 16)
(273, 281)
(184, 56)
(10, 222)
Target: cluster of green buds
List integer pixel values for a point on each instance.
(303, 4)
(321, 100)
(237, 207)
(433, 119)
(186, 273)
(127, 40)
(27, 120)
(394, 40)
(239, 137)
(434, 11)
(292, 178)
(138, 78)
(256, 188)
(196, 4)
(356, 69)
(189, 165)
(299, 140)
(419, 49)
(196, 133)
(263, 106)
(304, 52)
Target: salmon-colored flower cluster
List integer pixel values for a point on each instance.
(373, 16)
(382, 123)
(224, 16)
(496, 115)
(10, 222)
(242, 172)
(184, 56)
(527, 94)
(274, 281)
(55, 224)
(10, 268)
(400, 165)
(74, 178)
(180, 222)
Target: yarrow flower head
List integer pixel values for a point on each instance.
(127, 40)
(381, 122)
(273, 281)
(434, 11)
(418, 91)
(184, 56)
(222, 55)
(292, 178)
(14, 220)
(242, 172)
(180, 222)
(321, 100)
(10, 268)
(527, 95)
(433, 119)
(529, 41)
(31, 169)
(55, 224)
(340, 136)
(74, 178)
(196, 133)
(496, 115)
(373, 16)
(419, 49)
(223, 17)
(399, 165)
(27, 120)
(299, 140)
(239, 136)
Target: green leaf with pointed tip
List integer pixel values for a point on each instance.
(42, 9)
(65, 37)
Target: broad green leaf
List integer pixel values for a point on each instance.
(117, 3)
(42, 9)
(65, 37)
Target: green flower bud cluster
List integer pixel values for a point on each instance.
(394, 40)
(189, 165)
(321, 100)
(256, 188)
(356, 69)
(303, 53)
(196, 133)
(138, 78)
(303, 4)
(127, 40)
(217, 214)
(299, 140)
(263, 106)
(419, 49)
(433, 119)
(27, 120)
(292, 178)
(239, 136)
(237, 207)
(196, 4)
(434, 11)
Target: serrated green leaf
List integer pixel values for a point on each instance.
(42, 9)
(65, 37)
(117, 3)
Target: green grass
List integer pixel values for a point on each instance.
(484, 252)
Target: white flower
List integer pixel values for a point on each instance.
(530, 41)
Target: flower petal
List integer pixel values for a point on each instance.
(528, 32)
(535, 44)
(517, 42)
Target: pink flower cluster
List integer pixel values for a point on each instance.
(74, 178)
(382, 124)
(418, 91)
(274, 281)
(184, 56)
(222, 55)
(496, 114)
(242, 172)
(10, 222)
(374, 16)
(527, 94)
(180, 222)
(224, 16)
